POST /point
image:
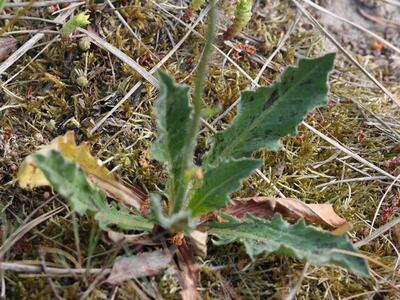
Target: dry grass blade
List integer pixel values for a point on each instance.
(5, 107)
(349, 152)
(31, 61)
(9, 17)
(346, 53)
(396, 135)
(379, 20)
(377, 232)
(381, 202)
(122, 56)
(296, 288)
(278, 49)
(114, 237)
(152, 71)
(21, 267)
(123, 21)
(122, 101)
(39, 3)
(49, 280)
(320, 8)
(30, 43)
(21, 231)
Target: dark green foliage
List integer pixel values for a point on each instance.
(270, 113)
(264, 117)
(70, 182)
(218, 183)
(174, 116)
(297, 240)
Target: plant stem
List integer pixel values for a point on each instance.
(201, 76)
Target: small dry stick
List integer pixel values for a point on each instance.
(381, 201)
(20, 267)
(21, 231)
(346, 53)
(39, 3)
(49, 280)
(30, 43)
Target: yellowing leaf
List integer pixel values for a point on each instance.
(30, 176)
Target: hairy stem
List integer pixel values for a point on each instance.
(181, 195)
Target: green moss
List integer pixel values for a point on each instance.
(307, 160)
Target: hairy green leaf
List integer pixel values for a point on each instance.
(174, 116)
(269, 113)
(181, 221)
(70, 182)
(295, 240)
(218, 183)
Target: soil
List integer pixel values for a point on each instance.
(380, 17)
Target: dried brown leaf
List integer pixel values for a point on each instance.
(396, 235)
(145, 264)
(198, 241)
(188, 273)
(264, 207)
(7, 45)
(114, 237)
(30, 176)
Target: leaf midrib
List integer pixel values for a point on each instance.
(211, 191)
(276, 241)
(255, 123)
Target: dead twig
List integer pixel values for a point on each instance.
(346, 53)
(51, 271)
(39, 3)
(22, 230)
(373, 34)
(30, 43)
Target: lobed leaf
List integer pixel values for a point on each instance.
(174, 116)
(70, 182)
(218, 183)
(31, 176)
(295, 240)
(270, 113)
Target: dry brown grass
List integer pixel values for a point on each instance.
(44, 101)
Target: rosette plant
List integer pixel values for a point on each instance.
(195, 196)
